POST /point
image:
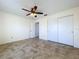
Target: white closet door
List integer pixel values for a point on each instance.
(52, 30)
(65, 30)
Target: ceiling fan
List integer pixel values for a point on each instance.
(33, 11)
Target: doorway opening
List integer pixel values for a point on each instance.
(37, 30)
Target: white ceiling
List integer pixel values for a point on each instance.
(47, 6)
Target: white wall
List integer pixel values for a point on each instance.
(0, 27)
(14, 28)
(43, 24)
(32, 28)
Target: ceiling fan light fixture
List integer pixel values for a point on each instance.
(33, 14)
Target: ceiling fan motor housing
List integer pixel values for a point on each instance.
(35, 7)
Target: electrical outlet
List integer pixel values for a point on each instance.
(11, 37)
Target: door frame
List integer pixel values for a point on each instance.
(35, 29)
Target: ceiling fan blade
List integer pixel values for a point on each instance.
(28, 14)
(35, 7)
(45, 14)
(39, 12)
(25, 10)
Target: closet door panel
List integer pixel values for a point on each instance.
(65, 30)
